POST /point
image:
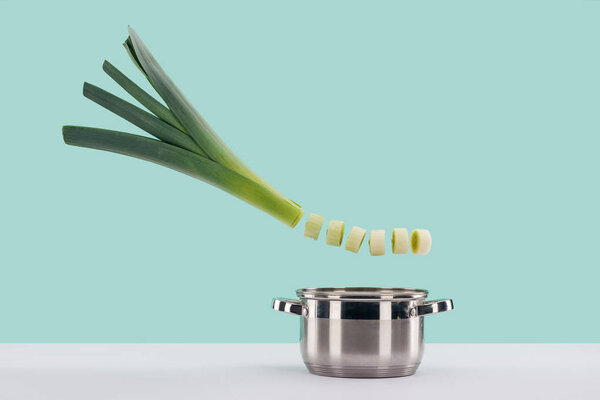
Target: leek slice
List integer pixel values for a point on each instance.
(399, 241)
(335, 233)
(312, 229)
(377, 242)
(355, 239)
(420, 241)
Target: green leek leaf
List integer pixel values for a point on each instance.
(129, 47)
(153, 105)
(188, 163)
(141, 118)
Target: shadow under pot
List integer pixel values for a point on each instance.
(361, 332)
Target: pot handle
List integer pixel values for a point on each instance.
(434, 307)
(289, 306)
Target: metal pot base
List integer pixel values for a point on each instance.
(362, 372)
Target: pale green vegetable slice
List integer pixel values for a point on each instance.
(355, 239)
(399, 241)
(335, 233)
(377, 242)
(420, 241)
(312, 229)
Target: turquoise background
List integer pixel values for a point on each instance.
(477, 120)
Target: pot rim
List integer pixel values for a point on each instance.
(361, 293)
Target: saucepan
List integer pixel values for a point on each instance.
(361, 332)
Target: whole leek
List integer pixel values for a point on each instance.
(185, 142)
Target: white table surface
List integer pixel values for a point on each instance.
(275, 371)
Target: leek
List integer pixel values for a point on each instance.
(420, 241)
(185, 142)
(313, 226)
(334, 233)
(377, 242)
(355, 239)
(399, 241)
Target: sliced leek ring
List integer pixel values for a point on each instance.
(420, 241)
(399, 241)
(335, 233)
(313, 226)
(377, 242)
(355, 239)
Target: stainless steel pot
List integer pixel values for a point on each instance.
(362, 332)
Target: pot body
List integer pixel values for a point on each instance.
(360, 347)
(361, 332)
